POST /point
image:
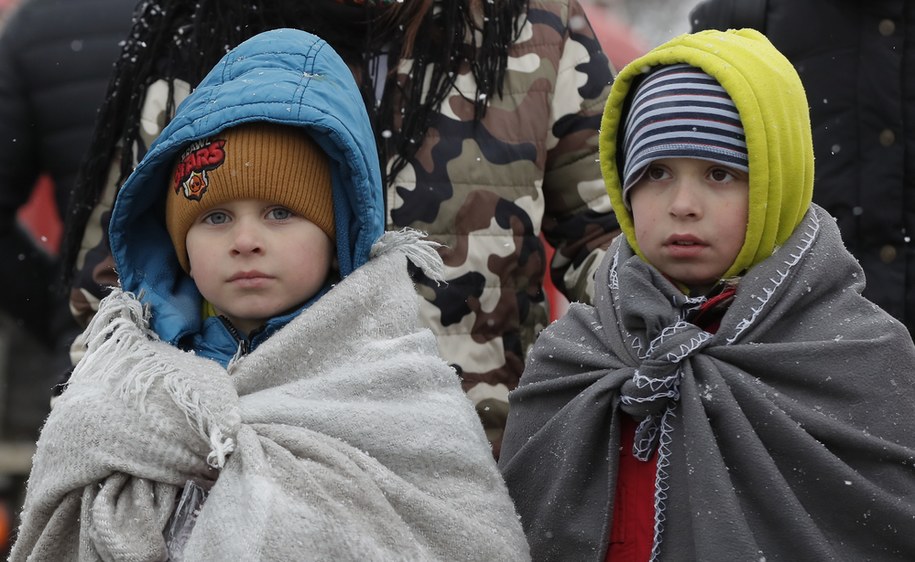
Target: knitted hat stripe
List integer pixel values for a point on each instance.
(711, 98)
(683, 99)
(678, 78)
(709, 108)
(700, 109)
(699, 118)
(679, 111)
(666, 133)
(681, 107)
(711, 153)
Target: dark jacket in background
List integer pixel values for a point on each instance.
(856, 59)
(56, 57)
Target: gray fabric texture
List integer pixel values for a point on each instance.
(786, 435)
(342, 437)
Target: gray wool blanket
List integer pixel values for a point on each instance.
(787, 435)
(342, 437)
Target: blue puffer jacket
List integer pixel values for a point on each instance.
(284, 76)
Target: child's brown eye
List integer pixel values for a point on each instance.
(719, 174)
(655, 173)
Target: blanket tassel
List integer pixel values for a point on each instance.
(419, 250)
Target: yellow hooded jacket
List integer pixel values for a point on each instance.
(772, 105)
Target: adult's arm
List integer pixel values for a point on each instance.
(578, 220)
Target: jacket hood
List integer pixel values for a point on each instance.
(772, 105)
(284, 76)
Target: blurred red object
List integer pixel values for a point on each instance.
(6, 528)
(6, 5)
(558, 302)
(621, 43)
(40, 216)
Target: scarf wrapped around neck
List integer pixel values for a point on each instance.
(787, 435)
(342, 437)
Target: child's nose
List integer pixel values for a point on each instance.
(684, 201)
(247, 238)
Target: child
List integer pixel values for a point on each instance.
(731, 395)
(312, 412)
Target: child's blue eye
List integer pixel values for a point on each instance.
(279, 213)
(217, 217)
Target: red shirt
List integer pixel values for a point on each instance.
(632, 531)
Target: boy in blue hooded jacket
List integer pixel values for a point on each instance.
(263, 346)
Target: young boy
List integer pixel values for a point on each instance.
(263, 351)
(731, 395)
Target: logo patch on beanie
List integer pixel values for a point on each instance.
(191, 171)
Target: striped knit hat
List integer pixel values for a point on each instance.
(679, 111)
(260, 160)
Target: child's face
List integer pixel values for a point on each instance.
(690, 219)
(254, 260)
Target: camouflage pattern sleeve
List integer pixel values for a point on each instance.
(578, 220)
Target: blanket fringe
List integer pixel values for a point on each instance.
(116, 355)
(115, 332)
(200, 418)
(416, 247)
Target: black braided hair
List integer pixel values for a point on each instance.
(177, 39)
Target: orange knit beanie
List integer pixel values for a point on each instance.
(275, 163)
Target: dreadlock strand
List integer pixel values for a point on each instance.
(457, 36)
(411, 20)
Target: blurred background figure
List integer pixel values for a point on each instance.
(857, 62)
(56, 57)
(652, 22)
(5, 9)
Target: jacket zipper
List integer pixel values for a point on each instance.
(243, 345)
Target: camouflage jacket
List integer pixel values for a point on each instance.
(487, 191)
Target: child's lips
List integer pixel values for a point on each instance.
(250, 278)
(684, 245)
(253, 274)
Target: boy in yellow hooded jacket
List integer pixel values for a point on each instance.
(730, 382)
